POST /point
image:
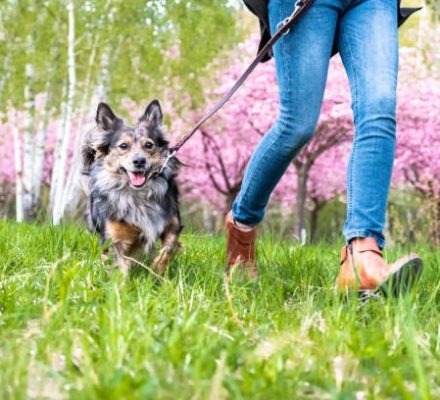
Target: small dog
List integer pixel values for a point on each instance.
(132, 195)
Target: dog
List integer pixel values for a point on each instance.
(132, 194)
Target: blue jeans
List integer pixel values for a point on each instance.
(366, 33)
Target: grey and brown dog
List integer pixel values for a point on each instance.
(132, 196)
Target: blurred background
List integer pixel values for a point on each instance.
(58, 59)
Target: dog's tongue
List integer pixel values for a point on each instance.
(137, 178)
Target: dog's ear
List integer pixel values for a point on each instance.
(153, 115)
(97, 141)
(106, 118)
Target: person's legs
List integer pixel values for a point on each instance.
(302, 58)
(368, 46)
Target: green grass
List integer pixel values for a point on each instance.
(69, 329)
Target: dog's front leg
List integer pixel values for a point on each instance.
(124, 238)
(170, 243)
(123, 264)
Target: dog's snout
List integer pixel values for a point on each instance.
(139, 161)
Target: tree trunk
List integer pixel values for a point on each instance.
(301, 196)
(232, 195)
(436, 223)
(39, 153)
(103, 83)
(63, 153)
(317, 207)
(5, 76)
(229, 201)
(72, 193)
(28, 142)
(207, 218)
(57, 154)
(18, 171)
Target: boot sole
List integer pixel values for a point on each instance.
(399, 283)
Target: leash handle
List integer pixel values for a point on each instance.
(282, 29)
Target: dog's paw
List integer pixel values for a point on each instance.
(160, 263)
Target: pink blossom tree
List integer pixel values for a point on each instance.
(417, 164)
(218, 155)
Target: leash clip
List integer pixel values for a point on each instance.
(298, 5)
(169, 157)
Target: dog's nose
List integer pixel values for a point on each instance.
(139, 161)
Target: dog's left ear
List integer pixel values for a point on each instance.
(153, 114)
(106, 118)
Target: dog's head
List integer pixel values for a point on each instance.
(134, 154)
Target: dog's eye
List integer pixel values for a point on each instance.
(123, 146)
(149, 145)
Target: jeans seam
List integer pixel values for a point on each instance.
(356, 113)
(346, 3)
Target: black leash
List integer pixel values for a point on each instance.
(282, 29)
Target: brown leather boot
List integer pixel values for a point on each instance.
(363, 268)
(240, 249)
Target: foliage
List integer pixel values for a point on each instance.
(120, 50)
(412, 218)
(135, 48)
(69, 329)
(129, 52)
(417, 163)
(435, 5)
(419, 124)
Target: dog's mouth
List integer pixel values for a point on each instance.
(137, 179)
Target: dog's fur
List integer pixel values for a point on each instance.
(132, 200)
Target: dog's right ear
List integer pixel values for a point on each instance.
(106, 118)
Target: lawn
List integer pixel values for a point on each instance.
(71, 329)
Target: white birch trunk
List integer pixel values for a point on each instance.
(29, 98)
(63, 153)
(18, 171)
(40, 145)
(57, 151)
(102, 87)
(423, 33)
(4, 77)
(41, 135)
(73, 190)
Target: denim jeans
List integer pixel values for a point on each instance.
(366, 34)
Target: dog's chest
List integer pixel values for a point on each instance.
(141, 212)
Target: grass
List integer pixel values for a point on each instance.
(69, 329)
